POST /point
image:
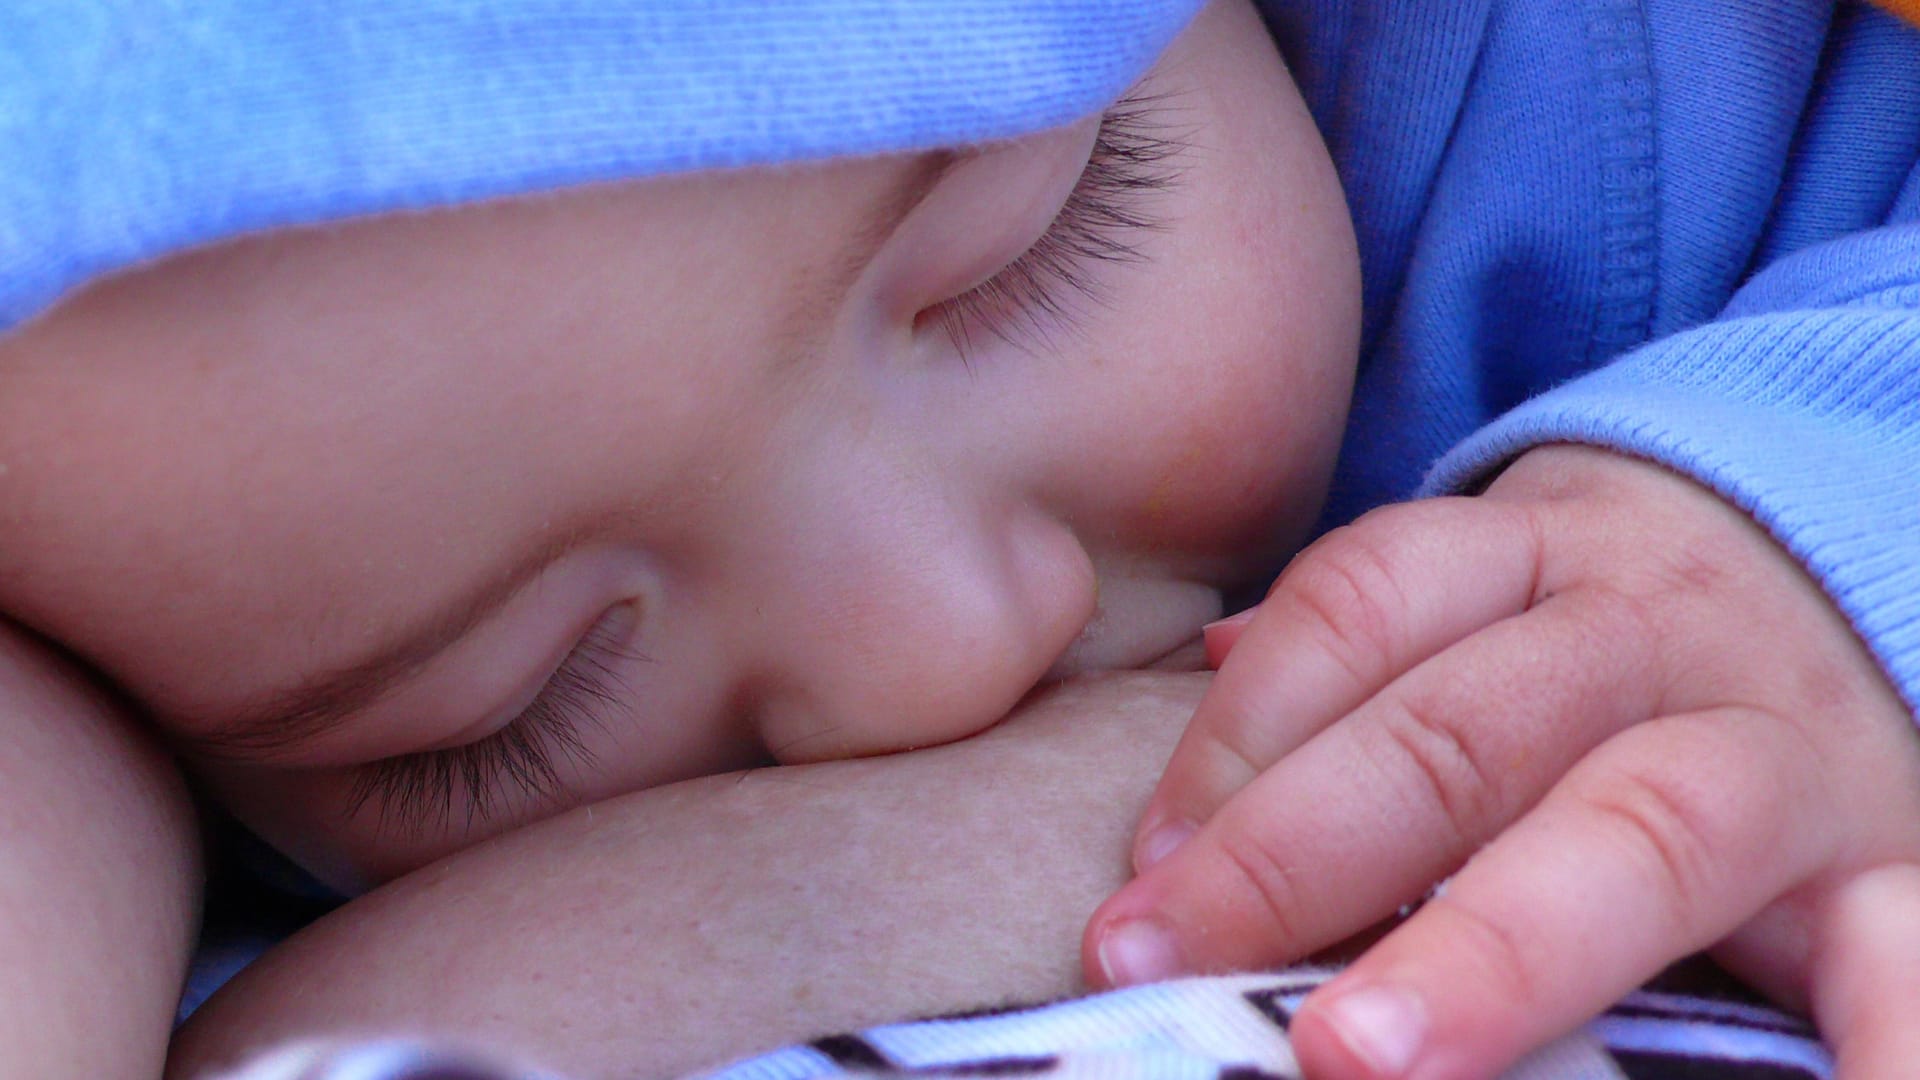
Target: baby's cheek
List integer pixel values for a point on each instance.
(1198, 485)
(1231, 467)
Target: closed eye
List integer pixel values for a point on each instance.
(1110, 209)
(419, 792)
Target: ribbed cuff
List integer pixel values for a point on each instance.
(1808, 421)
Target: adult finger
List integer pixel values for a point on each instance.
(1359, 607)
(1663, 840)
(1388, 800)
(1866, 978)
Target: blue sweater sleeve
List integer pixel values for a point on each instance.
(1687, 230)
(1800, 404)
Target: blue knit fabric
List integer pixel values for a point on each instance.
(1683, 229)
(130, 129)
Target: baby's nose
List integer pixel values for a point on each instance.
(910, 629)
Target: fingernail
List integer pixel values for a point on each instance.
(1381, 1027)
(1165, 838)
(1139, 951)
(1221, 635)
(1238, 618)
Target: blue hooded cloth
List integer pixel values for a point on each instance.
(132, 129)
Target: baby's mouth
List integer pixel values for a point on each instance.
(1138, 623)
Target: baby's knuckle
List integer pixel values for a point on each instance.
(1350, 592)
(1702, 567)
(1237, 741)
(1634, 618)
(1272, 882)
(1425, 737)
(1679, 840)
(1493, 950)
(1618, 598)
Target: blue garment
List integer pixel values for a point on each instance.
(1688, 230)
(130, 129)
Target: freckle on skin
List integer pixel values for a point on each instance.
(1159, 501)
(1154, 506)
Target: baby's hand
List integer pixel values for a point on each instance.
(1636, 721)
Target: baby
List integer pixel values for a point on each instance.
(406, 532)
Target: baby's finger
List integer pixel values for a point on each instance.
(1866, 980)
(1387, 801)
(1662, 841)
(1352, 612)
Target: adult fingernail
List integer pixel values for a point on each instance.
(1380, 1026)
(1163, 841)
(1139, 951)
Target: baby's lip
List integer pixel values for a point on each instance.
(1137, 624)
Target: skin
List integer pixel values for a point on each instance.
(96, 875)
(742, 912)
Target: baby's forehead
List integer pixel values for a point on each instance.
(133, 134)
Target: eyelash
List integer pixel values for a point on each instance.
(1102, 221)
(418, 791)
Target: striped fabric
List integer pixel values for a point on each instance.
(1220, 1028)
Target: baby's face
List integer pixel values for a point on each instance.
(412, 531)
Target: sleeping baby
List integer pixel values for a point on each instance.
(428, 426)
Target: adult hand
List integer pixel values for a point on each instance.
(677, 927)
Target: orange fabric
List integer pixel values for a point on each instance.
(1906, 9)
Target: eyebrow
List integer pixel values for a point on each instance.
(281, 720)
